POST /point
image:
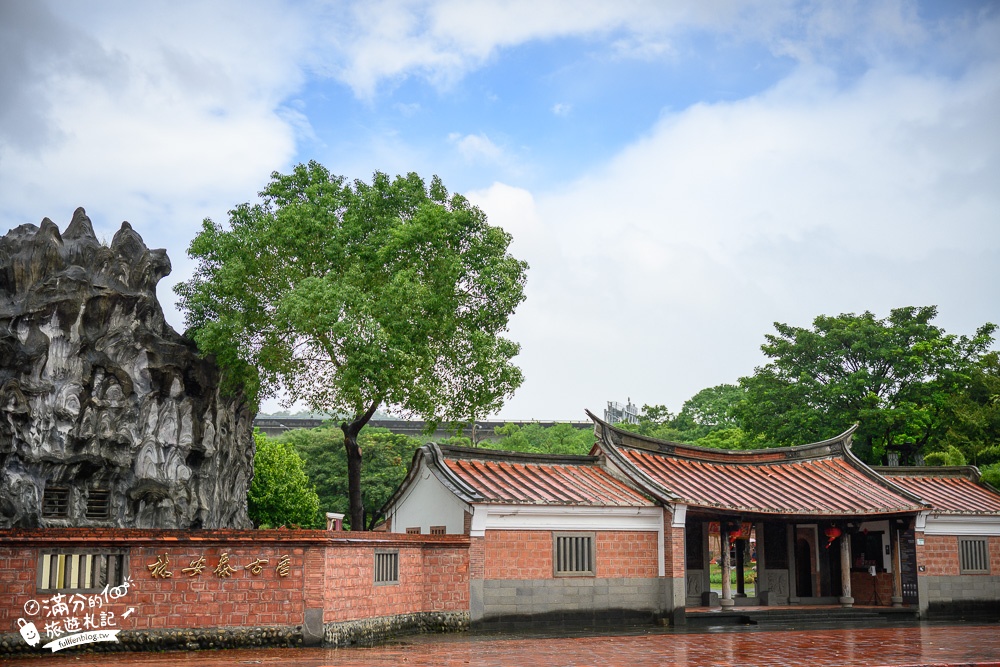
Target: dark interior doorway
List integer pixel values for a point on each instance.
(803, 568)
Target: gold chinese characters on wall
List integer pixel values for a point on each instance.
(224, 568)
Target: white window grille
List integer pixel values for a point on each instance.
(973, 555)
(386, 567)
(81, 571)
(574, 554)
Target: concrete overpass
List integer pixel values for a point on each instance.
(482, 430)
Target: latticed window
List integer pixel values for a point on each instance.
(438, 530)
(574, 554)
(973, 555)
(99, 504)
(55, 502)
(413, 531)
(81, 571)
(386, 567)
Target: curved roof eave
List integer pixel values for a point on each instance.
(821, 449)
(434, 459)
(831, 447)
(634, 476)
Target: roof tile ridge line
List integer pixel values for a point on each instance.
(878, 493)
(640, 481)
(775, 485)
(970, 472)
(501, 476)
(846, 489)
(618, 477)
(864, 469)
(590, 483)
(489, 486)
(801, 451)
(751, 481)
(615, 487)
(472, 453)
(446, 476)
(683, 490)
(541, 483)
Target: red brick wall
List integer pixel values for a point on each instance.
(673, 549)
(518, 554)
(630, 554)
(333, 572)
(207, 600)
(446, 580)
(477, 558)
(938, 555)
(527, 554)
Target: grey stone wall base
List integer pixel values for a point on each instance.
(167, 640)
(368, 631)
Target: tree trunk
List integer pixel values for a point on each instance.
(355, 500)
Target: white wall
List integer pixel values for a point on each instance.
(428, 503)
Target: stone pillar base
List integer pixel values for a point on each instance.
(897, 601)
(727, 602)
(846, 602)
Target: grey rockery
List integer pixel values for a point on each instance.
(108, 417)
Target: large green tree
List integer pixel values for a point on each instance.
(894, 376)
(280, 493)
(353, 296)
(385, 459)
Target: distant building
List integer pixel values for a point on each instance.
(616, 413)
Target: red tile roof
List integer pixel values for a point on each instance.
(947, 491)
(828, 486)
(818, 479)
(501, 477)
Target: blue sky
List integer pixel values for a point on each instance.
(678, 175)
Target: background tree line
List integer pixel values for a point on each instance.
(902, 379)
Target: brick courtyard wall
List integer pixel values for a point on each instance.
(235, 579)
(631, 554)
(673, 549)
(518, 554)
(944, 590)
(430, 579)
(939, 556)
(519, 584)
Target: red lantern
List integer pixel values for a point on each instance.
(832, 533)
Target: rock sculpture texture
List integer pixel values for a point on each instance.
(108, 417)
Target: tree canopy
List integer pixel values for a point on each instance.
(385, 458)
(280, 493)
(897, 377)
(352, 296)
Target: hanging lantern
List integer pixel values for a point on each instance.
(832, 533)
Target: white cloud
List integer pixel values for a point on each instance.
(660, 273)
(562, 109)
(476, 147)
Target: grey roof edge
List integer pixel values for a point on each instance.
(431, 453)
(635, 478)
(878, 478)
(969, 472)
(483, 454)
(972, 473)
(812, 450)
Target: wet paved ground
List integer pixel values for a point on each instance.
(923, 644)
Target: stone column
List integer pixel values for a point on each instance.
(897, 575)
(727, 586)
(845, 570)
